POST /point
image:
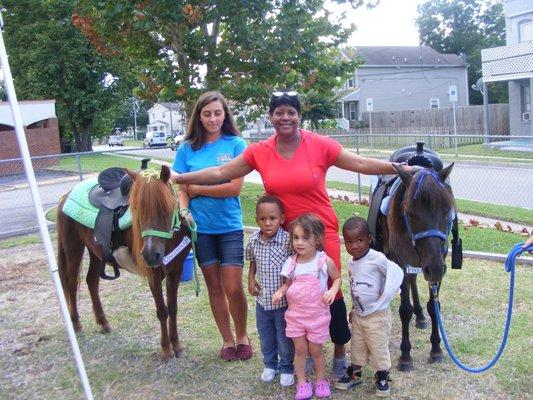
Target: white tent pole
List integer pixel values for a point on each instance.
(45, 234)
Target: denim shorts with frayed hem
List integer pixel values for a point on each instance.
(226, 249)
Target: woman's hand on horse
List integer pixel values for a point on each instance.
(253, 287)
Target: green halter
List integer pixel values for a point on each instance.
(176, 213)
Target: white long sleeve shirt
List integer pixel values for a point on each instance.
(374, 281)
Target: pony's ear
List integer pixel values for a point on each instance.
(132, 174)
(405, 176)
(165, 173)
(444, 173)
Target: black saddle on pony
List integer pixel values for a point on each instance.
(110, 196)
(414, 156)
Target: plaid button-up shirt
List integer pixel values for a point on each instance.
(269, 256)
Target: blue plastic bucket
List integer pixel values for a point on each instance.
(188, 267)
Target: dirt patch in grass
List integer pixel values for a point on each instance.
(36, 360)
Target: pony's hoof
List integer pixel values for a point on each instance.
(77, 326)
(106, 328)
(405, 366)
(166, 356)
(421, 324)
(436, 358)
(179, 352)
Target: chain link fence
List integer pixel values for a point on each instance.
(498, 180)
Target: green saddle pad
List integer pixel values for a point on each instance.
(78, 207)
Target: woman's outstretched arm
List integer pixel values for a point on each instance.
(365, 165)
(236, 168)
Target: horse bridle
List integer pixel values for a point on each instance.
(428, 232)
(176, 223)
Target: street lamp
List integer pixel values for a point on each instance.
(134, 103)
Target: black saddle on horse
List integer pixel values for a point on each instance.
(414, 156)
(110, 196)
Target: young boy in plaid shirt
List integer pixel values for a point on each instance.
(267, 251)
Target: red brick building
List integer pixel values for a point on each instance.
(42, 134)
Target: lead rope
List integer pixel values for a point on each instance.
(509, 267)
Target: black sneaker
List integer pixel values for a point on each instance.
(350, 379)
(382, 383)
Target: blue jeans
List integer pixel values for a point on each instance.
(277, 349)
(223, 248)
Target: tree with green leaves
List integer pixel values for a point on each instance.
(51, 59)
(244, 48)
(465, 26)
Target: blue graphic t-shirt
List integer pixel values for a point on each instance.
(212, 214)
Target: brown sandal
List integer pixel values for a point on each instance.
(228, 353)
(244, 351)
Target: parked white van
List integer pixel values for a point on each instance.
(155, 138)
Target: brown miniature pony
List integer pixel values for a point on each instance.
(415, 234)
(153, 207)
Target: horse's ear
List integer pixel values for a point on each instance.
(405, 176)
(444, 173)
(165, 173)
(133, 175)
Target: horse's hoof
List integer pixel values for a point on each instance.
(421, 324)
(166, 356)
(179, 352)
(77, 326)
(436, 358)
(105, 328)
(405, 366)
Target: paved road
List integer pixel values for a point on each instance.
(495, 183)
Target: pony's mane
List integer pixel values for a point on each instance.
(432, 192)
(151, 204)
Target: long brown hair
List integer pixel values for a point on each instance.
(196, 133)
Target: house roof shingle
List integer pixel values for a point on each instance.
(403, 56)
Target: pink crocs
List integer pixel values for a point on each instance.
(322, 389)
(304, 391)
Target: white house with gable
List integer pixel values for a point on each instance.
(167, 117)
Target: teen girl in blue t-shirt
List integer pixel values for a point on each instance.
(212, 139)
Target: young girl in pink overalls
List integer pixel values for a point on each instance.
(306, 287)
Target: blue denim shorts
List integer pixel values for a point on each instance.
(227, 249)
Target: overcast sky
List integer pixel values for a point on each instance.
(391, 23)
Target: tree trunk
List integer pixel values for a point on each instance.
(76, 134)
(86, 129)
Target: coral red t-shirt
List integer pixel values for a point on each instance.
(300, 182)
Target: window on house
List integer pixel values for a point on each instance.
(434, 103)
(525, 100)
(163, 115)
(351, 82)
(353, 111)
(339, 109)
(525, 31)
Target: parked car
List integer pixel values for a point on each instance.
(115, 140)
(176, 141)
(156, 138)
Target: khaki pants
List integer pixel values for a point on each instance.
(370, 340)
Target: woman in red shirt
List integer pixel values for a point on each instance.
(293, 165)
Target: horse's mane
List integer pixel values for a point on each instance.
(432, 192)
(151, 204)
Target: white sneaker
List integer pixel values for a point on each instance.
(286, 380)
(268, 374)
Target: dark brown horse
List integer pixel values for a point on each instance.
(415, 234)
(153, 234)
